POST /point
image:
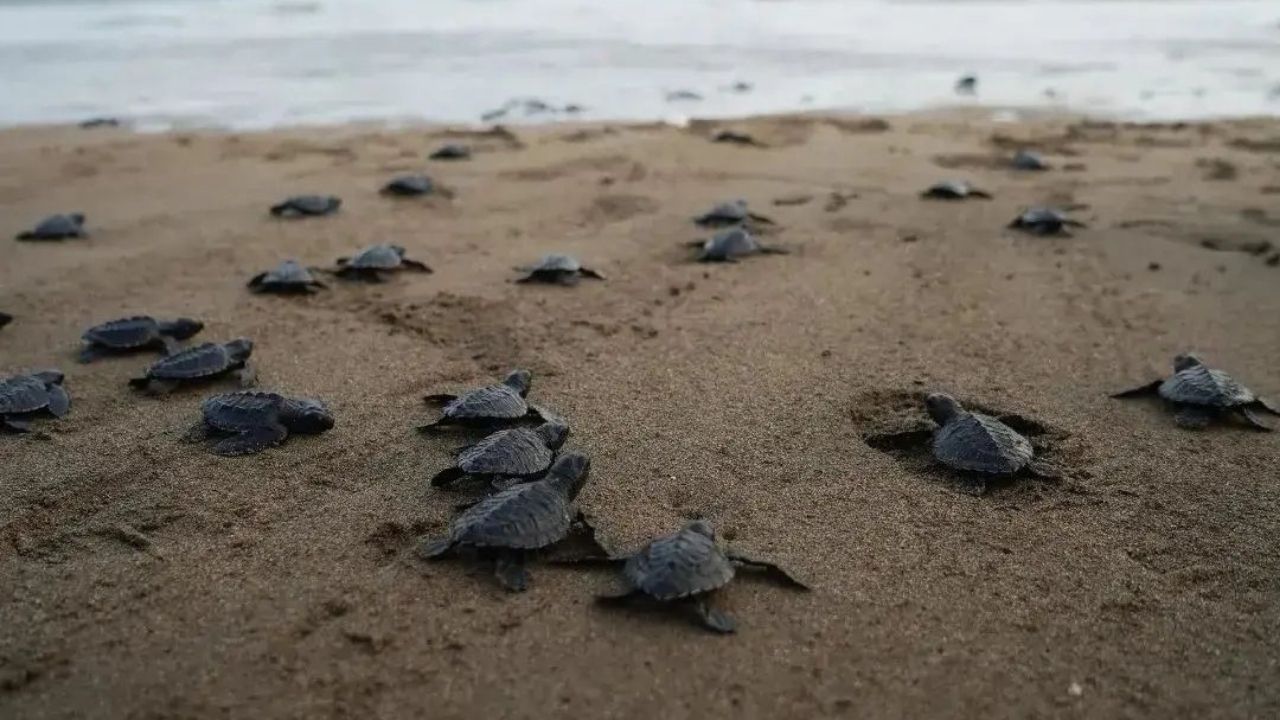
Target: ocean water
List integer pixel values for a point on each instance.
(262, 63)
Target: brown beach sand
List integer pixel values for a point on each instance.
(141, 577)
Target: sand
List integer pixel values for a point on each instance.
(142, 577)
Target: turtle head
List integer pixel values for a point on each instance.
(397, 249)
(306, 416)
(702, 527)
(569, 473)
(553, 433)
(240, 349)
(1186, 361)
(942, 407)
(519, 380)
(49, 377)
(77, 218)
(182, 328)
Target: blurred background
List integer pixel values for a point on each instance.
(258, 63)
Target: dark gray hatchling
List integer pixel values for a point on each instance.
(732, 212)
(1028, 160)
(557, 269)
(25, 397)
(57, 227)
(507, 456)
(409, 186)
(206, 361)
(1044, 221)
(5, 319)
(686, 567)
(307, 206)
(1201, 395)
(731, 244)
(374, 262)
(287, 278)
(976, 443)
(509, 525)
(488, 406)
(248, 422)
(132, 334)
(451, 151)
(953, 190)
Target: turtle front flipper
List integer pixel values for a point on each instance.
(253, 440)
(1193, 417)
(762, 219)
(773, 250)
(509, 568)
(1148, 389)
(772, 570)
(1254, 421)
(59, 401)
(198, 432)
(89, 353)
(712, 618)
(416, 266)
(589, 273)
(247, 375)
(439, 398)
(1265, 406)
(1044, 470)
(618, 595)
(18, 425)
(281, 209)
(256, 282)
(448, 477)
(168, 346)
(980, 194)
(438, 548)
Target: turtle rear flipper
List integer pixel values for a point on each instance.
(59, 401)
(281, 209)
(255, 282)
(772, 570)
(1254, 421)
(1148, 389)
(437, 548)
(1193, 417)
(510, 571)
(448, 477)
(712, 618)
(253, 440)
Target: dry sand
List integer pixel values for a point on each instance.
(141, 577)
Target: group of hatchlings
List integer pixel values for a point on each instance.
(531, 484)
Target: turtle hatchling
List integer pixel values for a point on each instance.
(248, 422)
(22, 397)
(57, 227)
(731, 244)
(372, 263)
(1201, 394)
(1028, 160)
(287, 278)
(486, 406)
(409, 186)
(451, 151)
(202, 362)
(5, 319)
(557, 269)
(507, 456)
(136, 333)
(953, 190)
(686, 567)
(507, 525)
(307, 206)
(1044, 221)
(732, 212)
(977, 443)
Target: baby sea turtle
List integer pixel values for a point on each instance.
(509, 524)
(136, 333)
(57, 227)
(731, 244)
(486, 406)
(287, 278)
(451, 151)
(249, 422)
(22, 397)
(734, 137)
(977, 443)
(557, 269)
(732, 212)
(967, 85)
(372, 263)
(1044, 221)
(507, 455)
(202, 362)
(409, 186)
(1028, 160)
(1201, 394)
(686, 567)
(954, 190)
(5, 319)
(307, 206)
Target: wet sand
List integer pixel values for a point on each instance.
(141, 577)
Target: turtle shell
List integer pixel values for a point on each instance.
(731, 243)
(451, 151)
(288, 272)
(313, 204)
(525, 517)
(492, 401)
(980, 443)
(56, 227)
(124, 334)
(22, 394)
(1028, 160)
(725, 213)
(557, 263)
(410, 185)
(200, 361)
(679, 565)
(235, 411)
(1200, 385)
(377, 257)
(515, 452)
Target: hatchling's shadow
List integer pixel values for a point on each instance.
(896, 423)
